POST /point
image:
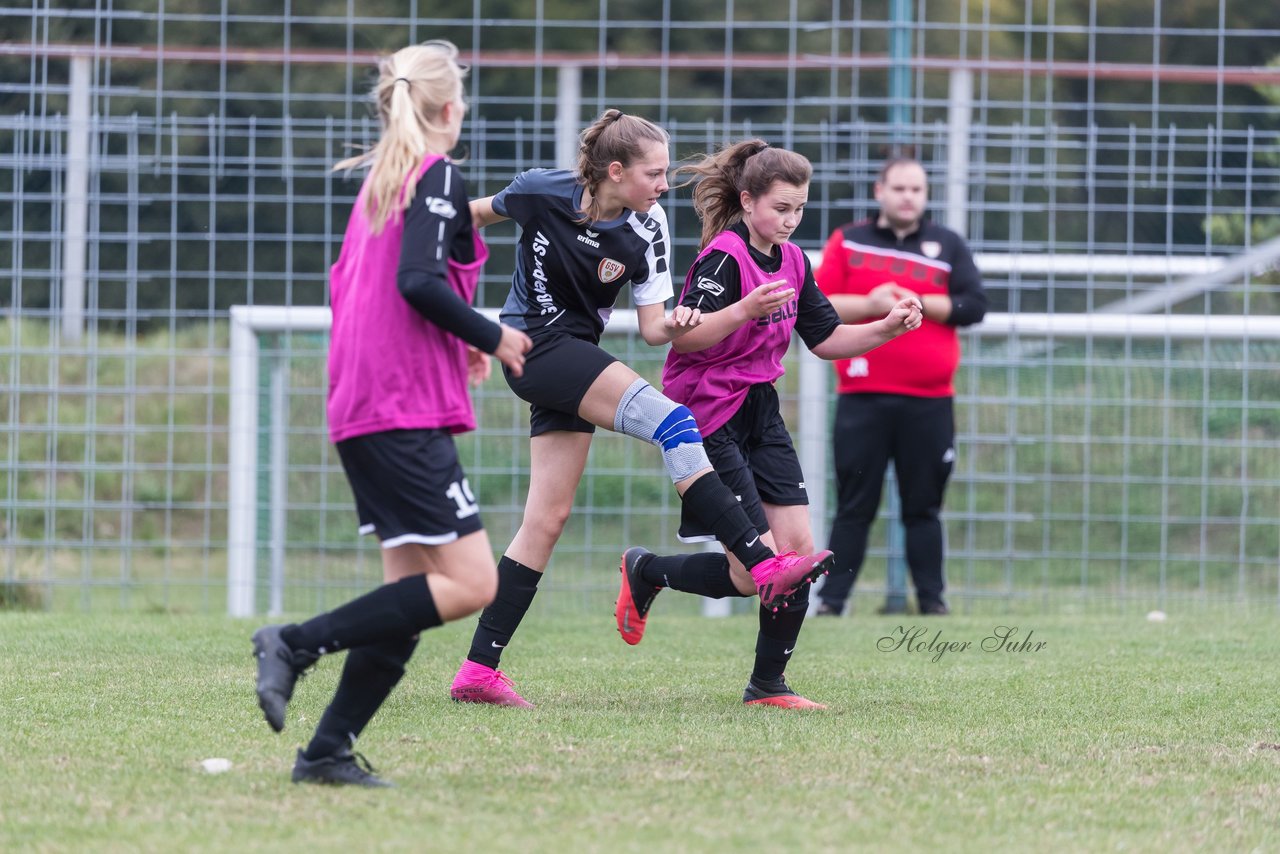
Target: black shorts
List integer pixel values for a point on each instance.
(754, 456)
(557, 373)
(409, 487)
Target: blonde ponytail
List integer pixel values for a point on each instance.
(414, 84)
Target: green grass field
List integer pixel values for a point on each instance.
(1118, 733)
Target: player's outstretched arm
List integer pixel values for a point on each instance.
(482, 212)
(658, 328)
(849, 341)
(718, 325)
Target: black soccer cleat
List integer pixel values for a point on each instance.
(278, 670)
(344, 768)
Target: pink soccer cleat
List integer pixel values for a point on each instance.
(631, 610)
(476, 683)
(784, 574)
(778, 694)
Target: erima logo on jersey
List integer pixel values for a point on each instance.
(711, 286)
(594, 244)
(442, 207)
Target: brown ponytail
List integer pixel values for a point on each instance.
(614, 136)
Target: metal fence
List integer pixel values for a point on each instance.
(160, 164)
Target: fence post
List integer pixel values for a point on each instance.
(242, 474)
(959, 113)
(76, 206)
(568, 112)
(895, 594)
(278, 482)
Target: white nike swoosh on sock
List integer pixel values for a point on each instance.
(496, 645)
(788, 651)
(751, 542)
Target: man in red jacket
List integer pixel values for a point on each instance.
(896, 402)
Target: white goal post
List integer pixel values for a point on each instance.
(812, 434)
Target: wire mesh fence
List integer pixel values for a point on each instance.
(175, 162)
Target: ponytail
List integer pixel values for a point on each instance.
(614, 136)
(414, 84)
(750, 166)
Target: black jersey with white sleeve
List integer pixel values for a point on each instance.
(570, 272)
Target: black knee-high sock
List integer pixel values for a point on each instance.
(392, 612)
(715, 507)
(368, 677)
(777, 638)
(703, 573)
(517, 585)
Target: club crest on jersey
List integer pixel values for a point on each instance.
(609, 270)
(931, 248)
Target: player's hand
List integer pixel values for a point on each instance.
(885, 296)
(479, 366)
(907, 315)
(766, 299)
(681, 320)
(511, 349)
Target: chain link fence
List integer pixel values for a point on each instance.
(161, 163)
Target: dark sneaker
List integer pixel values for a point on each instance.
(776, 694)
(278, 670)
(782, 575)
(635, 596)
(344, 768)
(935, 609)
(826, 610)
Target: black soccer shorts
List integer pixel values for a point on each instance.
(755, 457)
(409, 487)
(557, 373)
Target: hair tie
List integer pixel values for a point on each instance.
(619, 115)
(404, 80)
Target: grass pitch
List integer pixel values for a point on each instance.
(1115, 733)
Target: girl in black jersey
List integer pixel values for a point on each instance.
(585, 235)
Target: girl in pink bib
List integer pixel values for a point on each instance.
(754, 289)
(404, 343)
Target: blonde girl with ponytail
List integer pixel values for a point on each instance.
(404, 344)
